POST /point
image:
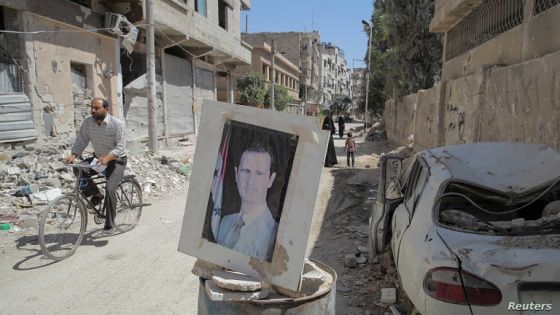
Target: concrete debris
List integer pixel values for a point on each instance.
(43, 166)
(235, 281)
(205, 269)
(354, 260)
(315, 281)
(350, 261)
(215, 293)
(377, 132)
(388, 296)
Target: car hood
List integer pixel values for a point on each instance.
(502, 166)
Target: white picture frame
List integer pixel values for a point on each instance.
(294, 226)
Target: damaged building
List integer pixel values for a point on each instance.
(58, 54)
(286, 73)
(303, 50)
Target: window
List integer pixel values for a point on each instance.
(78, 75)
(264, 70)
(200, 7)
(223, 14)
(415, 185)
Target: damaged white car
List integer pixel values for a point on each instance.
(473, 228)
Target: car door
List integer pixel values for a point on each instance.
(389, 196)
(403, 215)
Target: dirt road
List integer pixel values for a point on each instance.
(139, 272)
(340, 224)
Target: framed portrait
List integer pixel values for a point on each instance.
(252, 192)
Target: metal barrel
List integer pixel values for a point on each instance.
(320, 303)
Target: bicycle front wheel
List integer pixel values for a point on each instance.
(62, 227)
(129, 205)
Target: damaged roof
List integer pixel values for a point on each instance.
(504, 166)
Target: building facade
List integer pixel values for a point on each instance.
(287, 74)
(303, 50)
(494, 32)
(335, 77)
(358, 87)
(65, 56)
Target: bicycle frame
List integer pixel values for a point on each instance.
(97, 180)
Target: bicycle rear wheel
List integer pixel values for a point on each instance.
(62, 227)
(129, 205)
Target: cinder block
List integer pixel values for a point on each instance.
(388, 296)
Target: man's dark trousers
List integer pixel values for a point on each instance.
(114, 174)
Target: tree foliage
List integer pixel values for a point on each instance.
(404, 55)
(340, 104)
(252, 89)
(281, 97)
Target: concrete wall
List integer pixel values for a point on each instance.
(399, 117)
(514, 103)
(182, 19)
(522, 103)
(427, 118)
(53, 53)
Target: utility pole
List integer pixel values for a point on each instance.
(151, 78)
(368, 70)
(272, 96)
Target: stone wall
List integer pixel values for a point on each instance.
(427, 118)
(399, 118)
(522, 103)
(518, 103)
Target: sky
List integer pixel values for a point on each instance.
(338, 21)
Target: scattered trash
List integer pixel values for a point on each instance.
(5, 226)
(47, 195)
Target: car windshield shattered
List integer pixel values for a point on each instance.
(475, 209)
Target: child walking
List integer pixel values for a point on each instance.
(350, 149)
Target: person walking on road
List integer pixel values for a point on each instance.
(350, 149)
(330, 158)
(340, 126)
(107, 136)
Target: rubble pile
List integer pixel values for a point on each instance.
(377, 132)
(32, 176)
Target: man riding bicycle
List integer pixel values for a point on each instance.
(107, 136)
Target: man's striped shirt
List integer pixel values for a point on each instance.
(107, 138)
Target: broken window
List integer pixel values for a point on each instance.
(78, 75)
(481, 210)
(200, 7)
(223, 14)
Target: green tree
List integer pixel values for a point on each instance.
(340, 104)
(252, 89)
(404, 55)
(281, 97)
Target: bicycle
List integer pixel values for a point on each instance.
(64, 221)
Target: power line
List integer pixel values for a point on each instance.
(94, 30)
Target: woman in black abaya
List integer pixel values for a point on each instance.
(330, 159)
